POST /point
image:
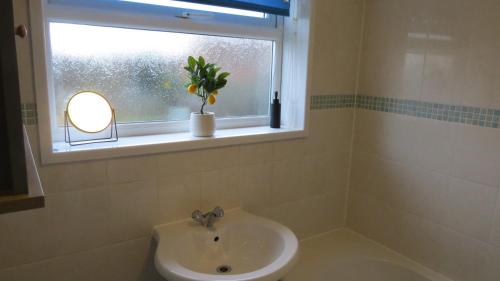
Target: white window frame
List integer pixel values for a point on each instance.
(294, 113)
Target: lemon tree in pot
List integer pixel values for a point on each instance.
(205, 83)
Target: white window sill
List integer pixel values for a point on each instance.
(152, 144)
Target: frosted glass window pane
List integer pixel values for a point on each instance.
(141, 71)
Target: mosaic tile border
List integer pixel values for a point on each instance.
(29, 114)
(332, 101)
(477, 116)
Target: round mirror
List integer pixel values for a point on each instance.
(89, 112)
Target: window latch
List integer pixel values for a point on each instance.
(188, 15)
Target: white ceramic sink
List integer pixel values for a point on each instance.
(248, 246)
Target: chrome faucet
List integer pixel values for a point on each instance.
(209, 218)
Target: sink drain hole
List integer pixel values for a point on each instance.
(224, 269)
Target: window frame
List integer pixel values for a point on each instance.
(166, 21)
(291, 69)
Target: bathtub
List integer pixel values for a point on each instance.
(344, 255)
(373, 270)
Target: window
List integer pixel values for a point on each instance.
(139, 68)
(133, 52)
(145, 81)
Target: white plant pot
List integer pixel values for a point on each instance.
(202, 125)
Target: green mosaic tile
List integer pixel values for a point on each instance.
(29, 114)
(334, 101)
(484, 117)
(478, 116)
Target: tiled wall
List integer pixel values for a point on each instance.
(425, 182)
(99, 215)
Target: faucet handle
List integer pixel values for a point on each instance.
(218, 211)
(197, 215)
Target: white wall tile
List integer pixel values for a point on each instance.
(79, 220)
(180, 163)
(124, 170)
(256, 153)
(393, 54)
(321, 133)
(220, 158)
(373, 218)
(337, 34)
(495, 232)
(447, 44)
(461, 257)
(433, 144)
(342, 129)
(179, 196)
(128, 261)
(481, 85)
(361, 174)
(428, 195)
(288, 149)
(27, 273)
(470, 208)
(25, 237)
(399, 138)
(133, 208)
(310, 215)
(220, 188)
(367, 136)
(255, 187)
(337, 176)
(477, 155)
(316, 172)
(491, 268)
(73, 176)
(287, 181)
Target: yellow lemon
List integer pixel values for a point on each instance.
(211, 99)
(192, 88)
(215, 93)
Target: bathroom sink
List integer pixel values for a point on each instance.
(239, 247)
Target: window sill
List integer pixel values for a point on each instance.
(152, 144)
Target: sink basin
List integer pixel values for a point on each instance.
(240, 247)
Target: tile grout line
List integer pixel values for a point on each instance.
(74, 253)
(354, 113)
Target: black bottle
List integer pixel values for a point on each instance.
(275, 112)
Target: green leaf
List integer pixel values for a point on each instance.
(211, 73)
(203, 72)
(191, 62)
(201, 61)
(223, 75)
(195, 80)
(220, 84)
(204, 75)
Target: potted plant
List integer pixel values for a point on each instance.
(205, 83)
